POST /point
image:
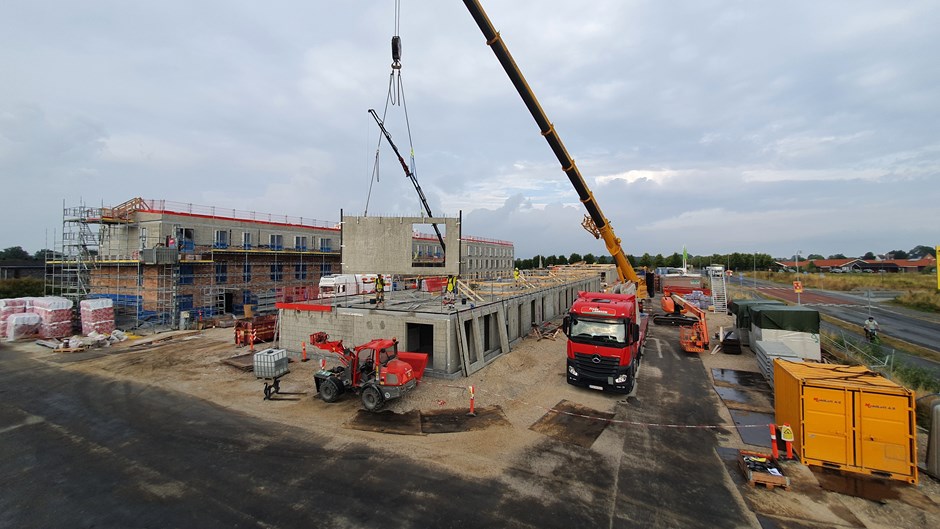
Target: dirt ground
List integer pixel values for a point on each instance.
(525, 384)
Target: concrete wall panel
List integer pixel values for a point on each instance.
(384, 244)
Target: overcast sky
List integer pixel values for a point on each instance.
(719, 125)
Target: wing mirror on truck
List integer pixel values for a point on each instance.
(566, 325)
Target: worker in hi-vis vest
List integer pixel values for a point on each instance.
(450, 292)
(379, 290)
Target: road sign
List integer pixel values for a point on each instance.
(798, 287)
(786, 433)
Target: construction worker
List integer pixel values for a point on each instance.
(379, 290)
(515, 276)
(450, 292)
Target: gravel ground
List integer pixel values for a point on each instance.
(525, 384)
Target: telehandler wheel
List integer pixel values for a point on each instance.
(329, 391)
(372, 399)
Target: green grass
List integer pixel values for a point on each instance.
(915, 282)
(919, 289)
(923, 301)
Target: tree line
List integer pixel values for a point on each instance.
(733, 261)
(17, 253)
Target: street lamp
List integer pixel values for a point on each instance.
(798, 252)
(755, 269)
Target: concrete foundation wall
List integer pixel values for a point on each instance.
(473, 335)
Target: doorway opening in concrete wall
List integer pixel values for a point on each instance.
(471, 340)
(426, 248)
(421, 339)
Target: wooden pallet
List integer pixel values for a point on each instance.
(71, 349)
(766, 479)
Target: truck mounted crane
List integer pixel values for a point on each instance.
(595, 223)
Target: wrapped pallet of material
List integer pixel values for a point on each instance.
(742, 321)
(8, 307)
(796, 326)
(97, 316)
(56, 316)
(25, 325)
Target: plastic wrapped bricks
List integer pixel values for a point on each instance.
(9, 307)
(55, 314)
(97, 316)
(25, 325)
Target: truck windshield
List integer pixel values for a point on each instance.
(597, 330)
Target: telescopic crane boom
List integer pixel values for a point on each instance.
(410, 175)
(597, 224)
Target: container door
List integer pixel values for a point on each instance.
(886, 439)
(826, 436)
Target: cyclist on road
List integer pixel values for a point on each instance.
(871, 328)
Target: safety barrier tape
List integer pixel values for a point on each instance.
(604, 419)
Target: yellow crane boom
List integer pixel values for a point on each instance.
(596, 223)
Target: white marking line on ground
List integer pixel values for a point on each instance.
(28, 421)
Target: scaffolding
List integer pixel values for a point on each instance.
(68, 268)
(125, 254)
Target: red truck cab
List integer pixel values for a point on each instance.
(605, 341)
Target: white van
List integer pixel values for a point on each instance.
(336, 285)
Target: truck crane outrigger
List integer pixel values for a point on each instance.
(595, 223)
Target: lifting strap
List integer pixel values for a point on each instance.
(395, 97)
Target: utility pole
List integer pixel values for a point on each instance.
(755, 269)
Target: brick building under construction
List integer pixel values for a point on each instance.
(157, 258)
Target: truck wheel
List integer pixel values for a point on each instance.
(372, 399)
(329, 391)
(631, 379)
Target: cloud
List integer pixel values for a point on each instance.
(765, 125)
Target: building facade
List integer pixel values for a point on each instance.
(157, 258)
(480, 258)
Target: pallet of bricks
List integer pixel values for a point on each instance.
(97, 316)
(34, 317)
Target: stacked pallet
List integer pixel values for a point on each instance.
(46, 317)
(9, 307)
(767, 352)
(55, 316)
(23, 325)
(97, 316)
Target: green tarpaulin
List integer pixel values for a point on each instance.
(739, 309)
(785, 317)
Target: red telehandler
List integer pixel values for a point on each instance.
(376, 371)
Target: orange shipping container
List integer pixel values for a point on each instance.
(847, 417)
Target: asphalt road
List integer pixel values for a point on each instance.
(897, 322)
(86, 451)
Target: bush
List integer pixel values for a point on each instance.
(18, 288)
(925, 301)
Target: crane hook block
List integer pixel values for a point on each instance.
(396, 49)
